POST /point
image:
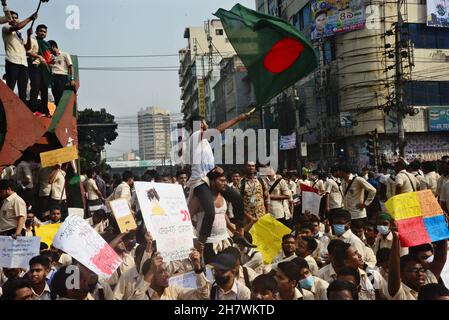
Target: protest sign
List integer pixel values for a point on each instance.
(47, 232)
(123, 215)
(311, 202)
(54, 157)
(188, 279)
(166, 216)
(76, 212)
(18, 253)
(419, 217)
(78, 239)
(267, 235)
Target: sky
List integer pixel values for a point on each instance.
(124, 28)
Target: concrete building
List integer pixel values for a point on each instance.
(352, 91)
(154, 133)
(206, 46)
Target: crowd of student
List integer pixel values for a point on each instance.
(35, 62)
(350, 251)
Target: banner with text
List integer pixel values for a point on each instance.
(54, 157)
(18, 253)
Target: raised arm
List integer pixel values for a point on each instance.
(394, 269)
(7, 16)
(440, 257)
(226, 125)
(23, 23)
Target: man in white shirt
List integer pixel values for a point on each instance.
(334, 195)
(353, 189)
(16, 60)
(39, 269)
(63, 71)
(430, 177)
(404, 181)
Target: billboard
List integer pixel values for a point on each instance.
(331, 17)
(288, 142)
(437, 13)
(201, 98)
(439, 119)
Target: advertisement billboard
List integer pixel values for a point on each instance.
(437, 13)
(331, 17)
(439, 119)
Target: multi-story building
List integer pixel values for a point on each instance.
(154, 133)
(206, 47)
(353, 91)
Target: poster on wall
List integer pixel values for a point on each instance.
(437, 13)
(331, 17)
(439, 119)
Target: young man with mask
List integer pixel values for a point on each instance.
(341, 225)
(353, 189)
(39, 269)
(432, 259)
(287, 277)
(265, 287)
(309, 282)
(385, 237)
(288, 249)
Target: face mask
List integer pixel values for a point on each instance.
(429, 259)
(221, 280)
(339, 229)
(383, 230)
(307, 283)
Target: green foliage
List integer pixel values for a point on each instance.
(93, 135)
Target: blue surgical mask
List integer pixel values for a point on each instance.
(307, 283)
(339, 229)
(383, 230)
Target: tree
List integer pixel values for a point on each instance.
(93, 134)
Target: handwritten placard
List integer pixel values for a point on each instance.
(78, 239)
(123, 215)
(311, 202)
(404, 206)
(18, 253)
(267, 235)
(428, 204)
(166, 216)
(54, 157)
(188, 279)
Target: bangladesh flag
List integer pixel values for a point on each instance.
(45, 52)
(275, 53)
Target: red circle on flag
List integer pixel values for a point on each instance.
(282, 55)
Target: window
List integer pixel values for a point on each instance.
(427, 37)
(427, 93)
(302, 19)
(307, 15)
(219, 32)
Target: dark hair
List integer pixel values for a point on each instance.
(301, 262)
(13, 12)
(308, 225)
(181, 172)
(265, 282)
(42, 26)
(290, 269)
(429, 166)
(52, 43)
(90, 172)
(408, 258)
(341, 213)
(339, 285)
(127, 175)
(383, 255)
(340, 254)
(192, 120)
(334, 169)
(287, 236)
(422, 247)
(311, 243)
(117, 178)
(431, 291)
(6, 184)
(42, 260)
(334, 243)
(369, 224)
(345, 168)
(415, 165)
(347, 271)
(146, 267)
(236, 172)
(233, 251)
(357, 224)
(58, 283)
(51, 255)
(11, 286)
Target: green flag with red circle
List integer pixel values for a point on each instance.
(275, 53)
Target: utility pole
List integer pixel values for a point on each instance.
(399, 97)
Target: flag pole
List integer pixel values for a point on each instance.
(38, 8)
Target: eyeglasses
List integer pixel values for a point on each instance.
(417, 270)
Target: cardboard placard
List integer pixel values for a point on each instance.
(123, 215)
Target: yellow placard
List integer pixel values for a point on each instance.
(63, 155)
(404, 206)
(267, 235)
(47, 232)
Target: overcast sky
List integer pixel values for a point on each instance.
(123, 28)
